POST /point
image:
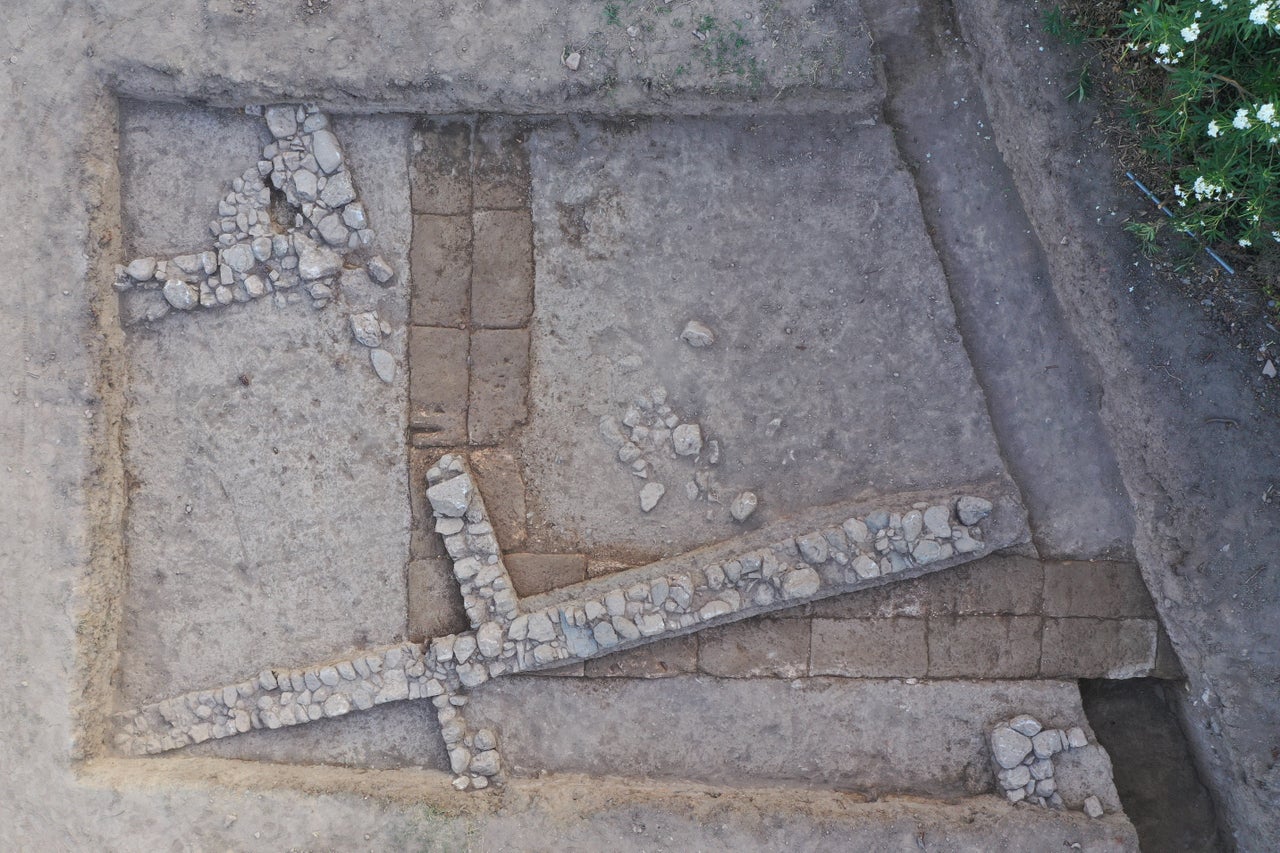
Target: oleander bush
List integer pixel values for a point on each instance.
(1214, 127)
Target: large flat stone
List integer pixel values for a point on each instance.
(837, 369)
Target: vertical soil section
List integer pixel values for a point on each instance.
(1154, 773)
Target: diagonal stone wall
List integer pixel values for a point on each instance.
(840, 548)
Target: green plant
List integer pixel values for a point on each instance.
(1146, 232)
(611, 11)
(1215, 127)
(1056, 23)
(1084, 86)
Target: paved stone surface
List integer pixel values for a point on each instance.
(440, 166)
(438, 385)
(755, 648)
(497, 474)
(996, 646)
(440, 268)
(870, 648)
(500, 164)
(502, 268)
(623, 265)
(499, 387)
(1099, 648)
(1103, 589)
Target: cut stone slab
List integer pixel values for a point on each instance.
(829, 377)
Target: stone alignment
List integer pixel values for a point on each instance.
(253, 257)
(723, 583)
(1022, 751)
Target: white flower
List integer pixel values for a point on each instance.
(1241, 121)
(1261, 13)
(1214, 130)
(1244, 241)
(1221, 4)
(1267, 113)
(1163, 49)
(1191, 33)
(1197, 16)
(1206, 189)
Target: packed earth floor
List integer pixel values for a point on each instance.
(658, 426)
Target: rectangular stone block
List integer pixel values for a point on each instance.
(440, 270)
(1098, 648)
(672, 656)
(500, 165)
(998, 584)
(435, 604)
(501, 268)
(899, 598)
(499, 480)
(756, 648)
(869, 648)
(499, 387)
(984, 646)
(440, 166)
(1106, 589)
(438, 385)
(534, 574)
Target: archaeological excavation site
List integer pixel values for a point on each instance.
(650, 426)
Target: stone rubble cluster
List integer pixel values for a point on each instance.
(650, 428)
(253, 255)
(590, 619)
(1023, 752)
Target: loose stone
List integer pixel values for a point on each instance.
(650, 495)
(381, 271)
(384, 364)
(365, 329)
(697, 335)
(743, 505)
